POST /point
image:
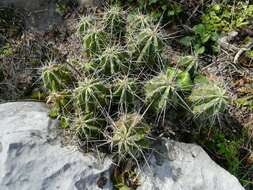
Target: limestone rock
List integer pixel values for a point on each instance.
(181, 166)
(32, 157)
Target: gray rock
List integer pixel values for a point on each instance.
(32, 157)
(180, 166)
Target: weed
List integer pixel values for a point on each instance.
(6, 50)
(217, 19)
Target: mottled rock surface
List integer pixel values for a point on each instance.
(33, 158)
(181, 166)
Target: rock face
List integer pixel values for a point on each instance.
(33, 158)
(185, 167)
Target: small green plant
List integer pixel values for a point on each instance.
(95, 41)
(228, 149)
(167, 89)
(246, 101)
(6, 50)
(129, 136)
(249, 53)
(55, 76)
(85, 24)
(112, 60)
(114, 21)
(90, 95)
(218, 18)
(158, 9)
(208, 99)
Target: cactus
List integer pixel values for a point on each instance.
(167, 88)
(137, 22)
(95, 42)
(148, 45)
(60, 103)
(114, 21)
(89, 127)
(190, 64)
(112, 60)
(55, 77)
(208, 98)
(129, 136)
(85, 24)
(125, 91)
(90, 95)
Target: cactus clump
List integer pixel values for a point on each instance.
(114, 21)
(89, 127)
(125, 91)
(148, 45)
(85, 24)
(90, 95)
(167, 88)
(95, 41)
(55, 77)
(130, 135)
(137, 22)
(208, 98)
(112, 60)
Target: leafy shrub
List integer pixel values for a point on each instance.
(217, 18)
(156, 8)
